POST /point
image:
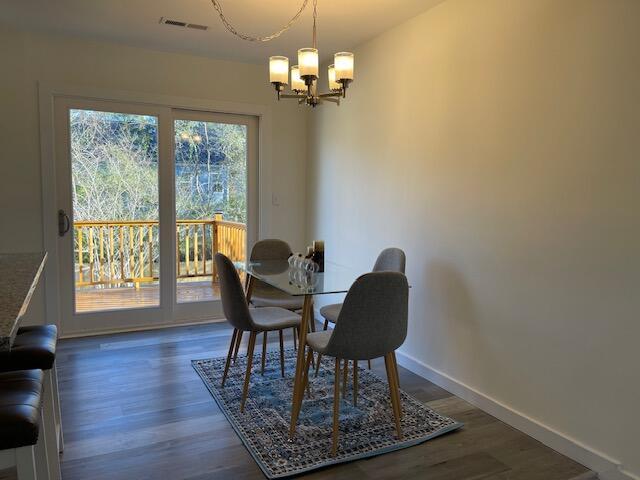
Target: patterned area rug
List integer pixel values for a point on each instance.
(365, 430)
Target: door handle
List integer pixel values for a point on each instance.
(64, 224)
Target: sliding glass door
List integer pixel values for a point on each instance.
(215, 174)
(148, 194)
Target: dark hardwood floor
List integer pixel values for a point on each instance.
(133, 408)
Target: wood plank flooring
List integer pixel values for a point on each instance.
(133, 408)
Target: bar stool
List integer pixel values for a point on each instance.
(20, 422)
(35, 348)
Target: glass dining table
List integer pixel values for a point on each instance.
(299, 283)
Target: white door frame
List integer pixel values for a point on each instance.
(47, 94)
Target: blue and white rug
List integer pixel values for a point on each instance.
(365, 431)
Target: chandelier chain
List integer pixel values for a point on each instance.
(266, 38)
(315, 15)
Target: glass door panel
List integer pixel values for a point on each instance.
(114, 183)
(210, 202)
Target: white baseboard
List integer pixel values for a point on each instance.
(606, 467)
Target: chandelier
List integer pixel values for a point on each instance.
(304, 75)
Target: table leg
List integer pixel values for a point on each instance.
(312, 319)
(298, 383)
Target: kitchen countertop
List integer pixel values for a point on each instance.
(19, 276)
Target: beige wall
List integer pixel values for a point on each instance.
(27, 58)
(498, 143)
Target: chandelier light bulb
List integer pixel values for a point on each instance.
(343, 62)
(308, 62)
(279, 70)
(333, 85)
(297, 84)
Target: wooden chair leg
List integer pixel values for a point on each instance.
(264, 352)
(324, 327)
(311, 329)
(281, 353)
(237, 347)
(247, 375)
(395, 367)
(318, 363)
(393, 392)
(355, 383)
(306, 371)
(398, 397)
(295, 338)
(336, 407)
(313, 361)
(345, 378)
(369, 364)
(231, 347)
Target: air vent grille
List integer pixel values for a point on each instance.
(178, 23)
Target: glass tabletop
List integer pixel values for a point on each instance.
(294, 281)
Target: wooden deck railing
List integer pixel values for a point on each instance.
(118, 252)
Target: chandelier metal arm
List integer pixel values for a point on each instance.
(252, 38)
(314, 99)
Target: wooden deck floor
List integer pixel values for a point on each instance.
(94, 299)
(133, 408)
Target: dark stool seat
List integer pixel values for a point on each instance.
(33, 348)
(20, 398)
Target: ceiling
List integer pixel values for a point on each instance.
(342, 24)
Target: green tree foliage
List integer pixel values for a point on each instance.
(115, 167)
(210, 170)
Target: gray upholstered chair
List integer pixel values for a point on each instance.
(389, 260)
(372, 323)
(263, 294)
(245, 319)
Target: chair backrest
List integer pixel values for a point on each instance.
(270, 249)
(390, 260)
(234, 301)
(373, 318)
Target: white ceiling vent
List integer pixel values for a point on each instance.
(178, 23)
